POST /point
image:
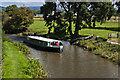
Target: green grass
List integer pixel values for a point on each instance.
(38, 26)
(108, 24)
(14, 61)
(99, 30)
(17, 65)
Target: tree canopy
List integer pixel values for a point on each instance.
(18, 20)
(118, 5)
(77, 14)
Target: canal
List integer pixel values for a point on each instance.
(74, 62)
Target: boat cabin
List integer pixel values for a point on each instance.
(44, 41)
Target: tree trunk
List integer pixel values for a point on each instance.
(94, 24)
(76, 29)
(77, 26)
(70, 25)
(49, 30)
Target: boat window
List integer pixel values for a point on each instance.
(45, 43)
(48, 43)
(60, 43)
(39, 42)
(28, 39)
(51, 43)
(54, 43)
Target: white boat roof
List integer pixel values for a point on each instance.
(43, 39)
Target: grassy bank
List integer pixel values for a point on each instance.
(102, 48)
(17, 65)
(13, 62)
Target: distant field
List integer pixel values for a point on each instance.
(100, 30)
(38, 26)
(38, 18)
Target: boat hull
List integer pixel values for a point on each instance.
(44, 48)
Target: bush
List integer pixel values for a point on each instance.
(34, 69)
(23, 48)
(98, 51)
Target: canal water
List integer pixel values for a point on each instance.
(74, 62)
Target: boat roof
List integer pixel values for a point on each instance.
(43, 39)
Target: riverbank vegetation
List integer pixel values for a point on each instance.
(16, 20)
(101, 47)
(100, 30)
(17, 65)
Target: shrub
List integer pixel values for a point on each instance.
(34, 69)
(23, 48)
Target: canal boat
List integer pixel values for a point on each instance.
(51, 44)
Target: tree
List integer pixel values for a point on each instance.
(101, 11)
(19, 20)
(81, 9)
(118, 5)
(88, 13)
(11, 9)
(5, 20)
(68, 14)
(48, 10)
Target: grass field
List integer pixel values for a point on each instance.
(14, 61)
(99, 30)
(38, 26)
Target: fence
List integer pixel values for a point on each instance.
(114, 35)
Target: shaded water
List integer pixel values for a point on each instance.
(74, 62)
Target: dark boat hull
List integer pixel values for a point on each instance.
(43, 48)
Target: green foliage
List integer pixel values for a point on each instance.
(34, 69)
(36, 12)
(100, 30)
(88, 12)
(17, 65)
(118, 39)
(23, 48)
(11, 9)
(118, 5)
(99, 47)
(20, 19)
